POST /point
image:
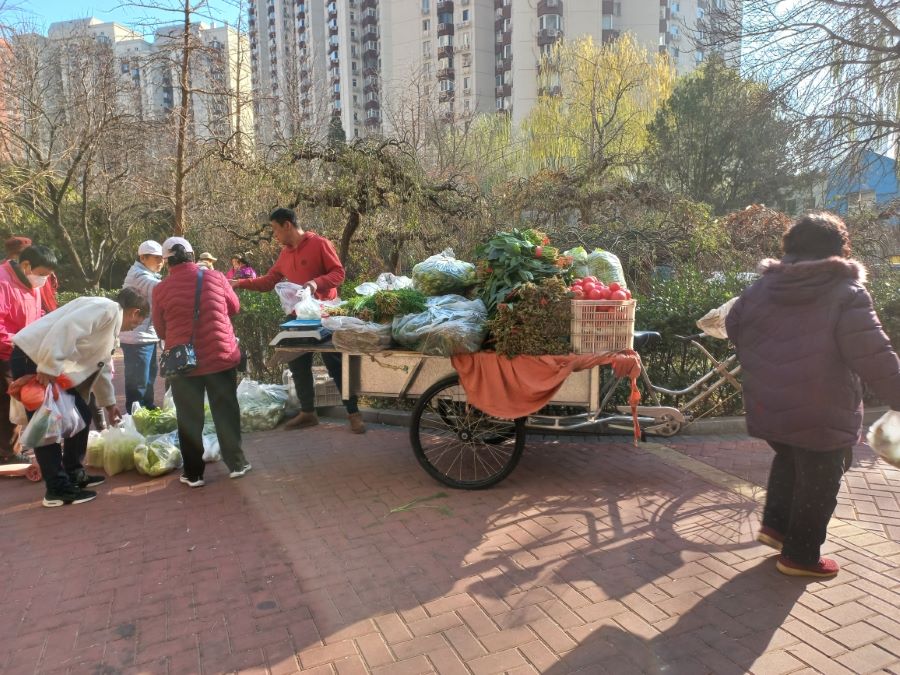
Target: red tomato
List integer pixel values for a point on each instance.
(591, 278)
(627, 294)
(588, 286)
(614, 286)
(618, 295)
(595, 294)
(579, 294)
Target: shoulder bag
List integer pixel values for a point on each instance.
(182, 359)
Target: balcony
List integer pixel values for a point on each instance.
(549, 7)
(547, 36)
(504, 12)
(370, 34)
(504, 64)
(611, 35)
(554, 90)
(445, 52)
(369, 3)
(371, 87)
(608, 7)
(445, 74)
(372, 105)
(373, 121)
(503, 90)
(444, 6)
(445, 29)
(445, 96)
(369, 19)
(370, 50)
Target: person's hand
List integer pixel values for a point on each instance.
(113, 416)
(312, 286)
(233, 282)
(44, 379)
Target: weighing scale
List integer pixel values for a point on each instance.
(299, 332)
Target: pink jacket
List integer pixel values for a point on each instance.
(19, 306)
(173, 316)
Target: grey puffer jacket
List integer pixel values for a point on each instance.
(805, 333)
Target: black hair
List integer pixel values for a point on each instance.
(282, 216)
(38, 256)
(179, 255)
(817, 235)
(129, 298)
(241, 259)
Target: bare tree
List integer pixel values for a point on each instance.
(835, 62)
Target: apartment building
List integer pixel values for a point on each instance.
(314, 62)
(485, 54)
(220, 71)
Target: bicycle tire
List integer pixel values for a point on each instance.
(459, 445)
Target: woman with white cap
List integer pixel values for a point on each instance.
(139, 345)
(217, 356)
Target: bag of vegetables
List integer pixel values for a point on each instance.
(451, 325)
(94, 455)
(118, 446)
(157, 456)
(262, 405)
(443, 273)
(152, 422)
(602, 264)
(355, 335)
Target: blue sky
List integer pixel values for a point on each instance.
(42, 13)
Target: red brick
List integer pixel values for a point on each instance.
(315, 656)
(374, 650)
(497, 663)
(415, 666)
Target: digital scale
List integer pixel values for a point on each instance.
(298, 332)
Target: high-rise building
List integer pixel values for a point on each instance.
(220, 80)
(314, 63)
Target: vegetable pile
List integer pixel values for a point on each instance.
(382, 306)
(536, 321)
(156, 421)
(442, 274)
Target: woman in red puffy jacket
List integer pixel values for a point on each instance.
(217, 352)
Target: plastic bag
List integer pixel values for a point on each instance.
(443, 273)
(451, 325)
(293, 402)
(355, 335)
(602, 264)
(211, 450)
(118, 446)
(307, 306)
(157, 456)
(884, 437)
(153, 422)
(385, 282)
(262, 405)
(713, 322)
(94, 455)
(289, 294)
(56, 420)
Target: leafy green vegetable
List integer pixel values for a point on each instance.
(157, 421)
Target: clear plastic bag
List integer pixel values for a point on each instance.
(289, 294)
(119, 443)
(94, 455)
(307, 306)
(713, 322)
(884, 437)
(451, 325)
(262, 405)
(385, 282)
(602, 264)
(56, 420)
(443, 273)
(355, 335)
(211, 450)
(157, 456)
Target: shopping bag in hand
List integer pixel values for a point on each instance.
(884, 437)
(57, 419)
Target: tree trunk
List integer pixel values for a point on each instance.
(183, 118)
(347, 235)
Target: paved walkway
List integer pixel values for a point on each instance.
(338, 555)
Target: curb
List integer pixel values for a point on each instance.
(716, 426)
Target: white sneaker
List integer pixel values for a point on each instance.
(192, 483)
(240, 472)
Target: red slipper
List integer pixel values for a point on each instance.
(825, 568)
(770, 537)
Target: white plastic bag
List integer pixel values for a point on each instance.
(262, 405)
(307, 306)
(289, 294)
(385, 282)
(350, 334)
(884, 437)
(119, 443)
(157, 456)
(713, 322)
(211, 451)
(56, 420)
(443, 273)
(451, 325)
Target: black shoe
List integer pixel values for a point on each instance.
(72, 495)
(82, 479)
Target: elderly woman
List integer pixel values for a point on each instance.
(240, 269)
(806, 333)
(217, 352)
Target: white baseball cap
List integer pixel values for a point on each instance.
(150, 247)
(172, 241)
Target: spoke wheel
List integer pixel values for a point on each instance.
(459, 445)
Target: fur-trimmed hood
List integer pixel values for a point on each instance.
(795, 281)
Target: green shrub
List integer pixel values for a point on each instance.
(255, 326)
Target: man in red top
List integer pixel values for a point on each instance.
(308, 260)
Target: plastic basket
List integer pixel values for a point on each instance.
(327, 394)
(602, 325)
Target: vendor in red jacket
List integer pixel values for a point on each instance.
(308, 260)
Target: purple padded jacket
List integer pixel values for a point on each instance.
(805, 333)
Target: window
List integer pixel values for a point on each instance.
(467, 81)
(607, 22)
(445, 17)
(548, 21)
(355, 99)
(356, 132)
(506, 25)
(355, 84)
(354, 66)
(426, 6)
(337, 87)
(426, 25)
(465, 15)
(426, 48)
(353, 33)
(446, 85)
(464, 40)
(445, 41)
(507, 51)
(467, 61)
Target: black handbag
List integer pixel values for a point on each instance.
(182, 359)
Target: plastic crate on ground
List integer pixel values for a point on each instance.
(602, 325)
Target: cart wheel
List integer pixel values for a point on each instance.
(459, 445)
(33, 473)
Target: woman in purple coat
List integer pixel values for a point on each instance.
(806, 333)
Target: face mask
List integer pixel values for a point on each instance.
(36, 280)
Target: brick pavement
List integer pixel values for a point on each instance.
(593, 557)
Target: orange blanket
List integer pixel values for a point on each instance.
(522, 385)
